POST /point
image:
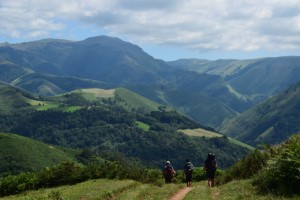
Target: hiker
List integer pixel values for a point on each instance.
(168, 172)
(210, 167)
(188, 171)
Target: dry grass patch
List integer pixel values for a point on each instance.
(200, 133)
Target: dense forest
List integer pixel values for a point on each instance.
(112, 129)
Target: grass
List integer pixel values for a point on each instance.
(93, 94)
(234, 141)
(242, 189)
(22, 153)
(132, 190)
(205, 133)
(200, 191)
(54, 106)
(200, 133)
(102, 189)
(137, 101)
(142, 125)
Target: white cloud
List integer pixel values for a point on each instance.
(244, 25)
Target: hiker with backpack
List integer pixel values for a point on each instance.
(210, 167)
(168, 172)
(188, 171)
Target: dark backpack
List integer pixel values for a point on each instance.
(211, 164)
(189, 168)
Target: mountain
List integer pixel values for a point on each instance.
(263, 76)
(204, 109)
(216, 90)
(22, 154)
(10, 71)
(50, 85)
(271, 122)
(12, 98)
(100, 58)
(58, 66)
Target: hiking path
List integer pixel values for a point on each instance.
(181, 194)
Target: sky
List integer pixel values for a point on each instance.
(166, 29)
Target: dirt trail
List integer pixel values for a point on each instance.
(181, 194)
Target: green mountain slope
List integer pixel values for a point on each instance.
(113, 125)
(12, 98)
(21, 154)
(206, 110)
(119, 96)
(133, 100)
(50, 85)
(100, 58)
(263, 76)
(270, 122)
(10, 71)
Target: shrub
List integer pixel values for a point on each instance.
(282, 174)
(247, 167)
(16, 184)
(65, 173)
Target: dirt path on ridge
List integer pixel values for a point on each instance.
(181, 194)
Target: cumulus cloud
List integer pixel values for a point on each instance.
(245, 25)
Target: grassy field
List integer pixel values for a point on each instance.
(132, 190)
(134, 100)
(129, 100)
(205, 133)
(102, 189)
(142, 125)
(200, 133)
(92, 94)
(25, 154)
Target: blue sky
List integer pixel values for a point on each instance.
(166, 29)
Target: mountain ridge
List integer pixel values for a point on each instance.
(117, 63)
(271, 122)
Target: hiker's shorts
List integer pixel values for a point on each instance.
(211, 174)
(188, 177)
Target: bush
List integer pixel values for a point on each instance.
(282, 174)
(247, 167)
(65, 173)
(16, 184)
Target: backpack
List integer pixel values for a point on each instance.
(189, 168)
(211, 164)
(168, 170)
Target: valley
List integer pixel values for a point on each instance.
(87, 106)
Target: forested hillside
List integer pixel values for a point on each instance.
(113, 124)
(114, 129)
(271, 122)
